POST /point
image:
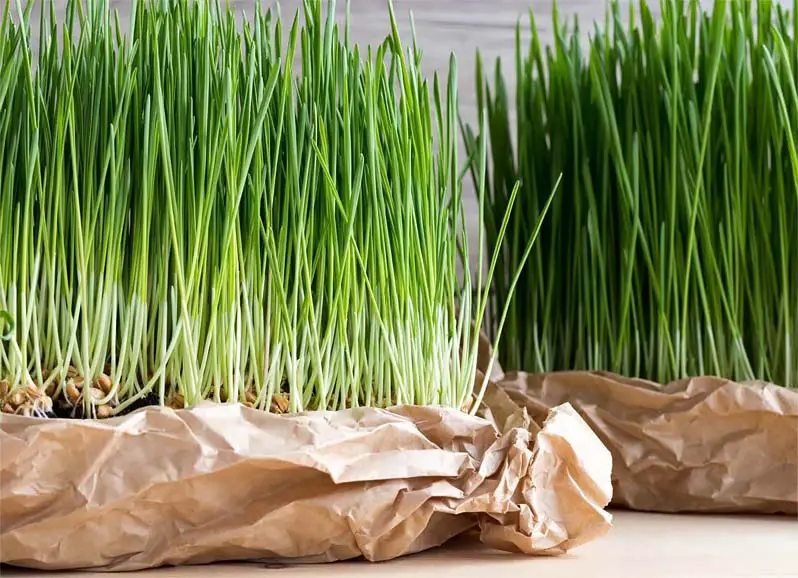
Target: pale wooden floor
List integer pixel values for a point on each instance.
(638, 546)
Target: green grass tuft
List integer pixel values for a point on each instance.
(201, 210)
(672, 249)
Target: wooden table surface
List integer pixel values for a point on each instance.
(638, 546)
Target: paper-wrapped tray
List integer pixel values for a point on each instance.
(695, 445)
(224, 482)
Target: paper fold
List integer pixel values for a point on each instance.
(165, 487)
(695, 445)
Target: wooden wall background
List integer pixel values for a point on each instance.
(444, 27)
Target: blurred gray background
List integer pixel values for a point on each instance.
(443, 27)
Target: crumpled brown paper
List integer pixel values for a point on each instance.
(224, 482)
(697, 445)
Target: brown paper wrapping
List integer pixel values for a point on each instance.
(223, 483)
(697, 445)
